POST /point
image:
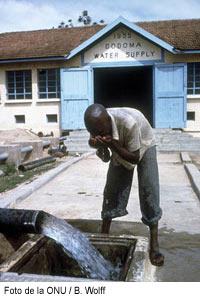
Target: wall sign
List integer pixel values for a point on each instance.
(122, 45)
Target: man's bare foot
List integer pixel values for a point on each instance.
(156, 258)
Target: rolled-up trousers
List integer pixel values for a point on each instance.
(118, 187)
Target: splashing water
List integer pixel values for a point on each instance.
(77, 246)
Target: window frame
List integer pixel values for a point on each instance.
(47, 94)
(192, 78)
(50, 118)
(26, 83)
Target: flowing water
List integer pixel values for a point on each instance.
(181, 250)
(77, 246)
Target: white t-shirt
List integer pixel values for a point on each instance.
(132, 130)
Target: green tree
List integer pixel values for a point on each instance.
(84, 18)
(87, 20)
(63, 25)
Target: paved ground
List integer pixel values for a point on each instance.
(196, 160)
(77, 193)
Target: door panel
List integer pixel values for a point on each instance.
(76, 96)
(170, 96)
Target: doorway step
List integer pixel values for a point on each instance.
(168, 140)
(175, 140)
(77, 142)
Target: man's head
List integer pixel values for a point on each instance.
(97, 120)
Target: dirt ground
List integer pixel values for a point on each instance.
(11, 176)
(18, 134)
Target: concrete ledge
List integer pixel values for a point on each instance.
(22, 192)
(194, 176)
(138, 267)
(36, 153)
(14, 153)
(28, 277)
(185, 157)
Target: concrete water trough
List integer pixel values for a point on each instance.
(41, 259)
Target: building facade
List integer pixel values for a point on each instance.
(49, 77)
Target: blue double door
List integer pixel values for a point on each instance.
(169, 106)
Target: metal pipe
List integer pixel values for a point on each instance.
(3, 156)
(46, 143)
(19, 220)
(36, 163)
(61, 139)
(26, 149)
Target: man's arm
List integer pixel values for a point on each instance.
(132, 157)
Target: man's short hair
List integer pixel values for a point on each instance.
(94, 112)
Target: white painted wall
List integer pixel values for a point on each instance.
(193, 105)
(35, 110)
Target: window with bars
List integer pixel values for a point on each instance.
(19, 84)
(49, 83)
(193, 78)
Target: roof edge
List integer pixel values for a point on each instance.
(56, 58)
(130, 25)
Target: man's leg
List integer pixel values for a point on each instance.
(155, 256)
(116, 194)
(106, 225)
(149, 195)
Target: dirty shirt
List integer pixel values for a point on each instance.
(132, 130)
